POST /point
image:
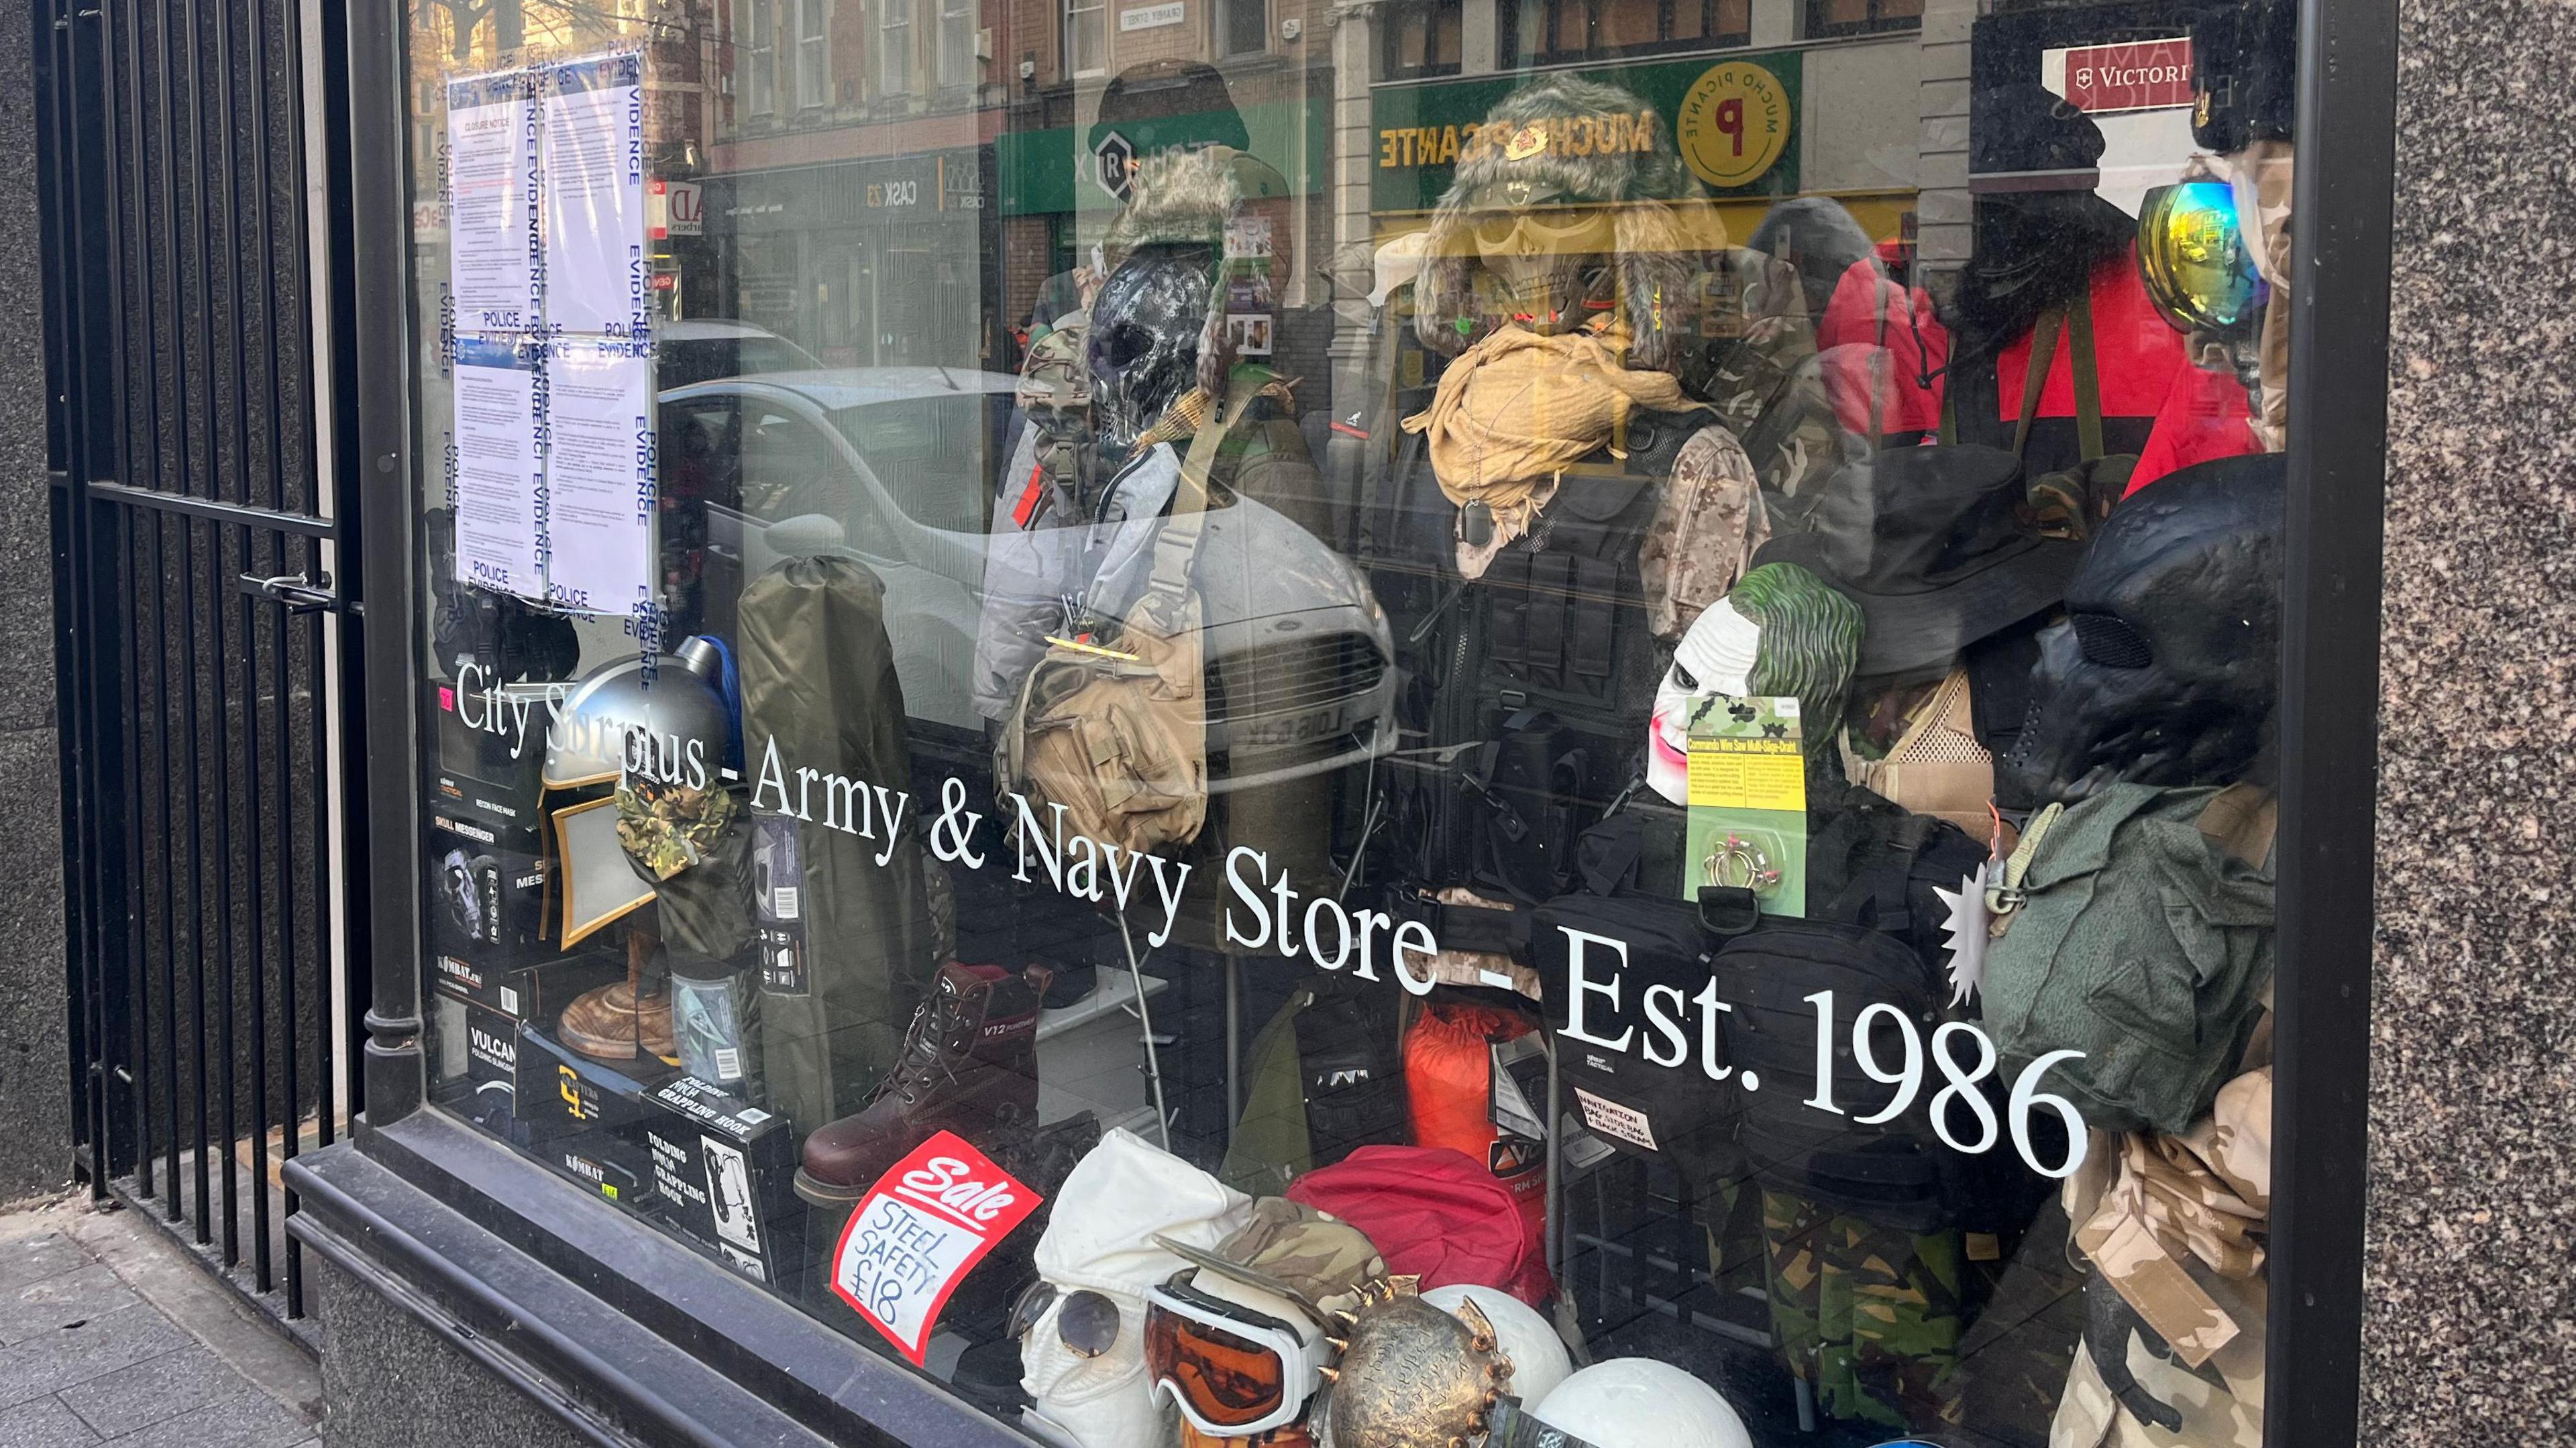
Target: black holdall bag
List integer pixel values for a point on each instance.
(1878, 942)
(1653, 1098)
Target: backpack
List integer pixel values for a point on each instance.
(1115, 730)
(1879, 939)
(1635, 1105)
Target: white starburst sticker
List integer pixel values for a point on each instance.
(1966, 931)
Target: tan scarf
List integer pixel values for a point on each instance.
(1512, 411)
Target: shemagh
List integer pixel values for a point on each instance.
(1516, 408)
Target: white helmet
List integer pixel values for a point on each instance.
(1538, 1356)
(1641, 1403)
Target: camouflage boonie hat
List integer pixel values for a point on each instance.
(1296, 1251)
(1053, 372)
(666, 828)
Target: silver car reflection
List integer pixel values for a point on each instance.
(897, 466)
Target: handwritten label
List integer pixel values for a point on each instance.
(919, 1231)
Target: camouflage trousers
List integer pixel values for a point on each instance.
(1868, 1317)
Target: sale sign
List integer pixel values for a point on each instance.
(2142, 75)
(918, 1232)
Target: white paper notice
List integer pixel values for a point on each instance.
(599, 476)
(500, 495)
(492, 200)
(596, 267)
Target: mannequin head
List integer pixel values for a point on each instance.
(1563, 206)
(1148, 327)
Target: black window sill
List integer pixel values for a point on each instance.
(615, 1327)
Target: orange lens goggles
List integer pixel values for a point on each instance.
(1230, 1370)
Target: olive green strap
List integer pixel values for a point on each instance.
(2005, 895)
(2034, 373)
(2088, 382)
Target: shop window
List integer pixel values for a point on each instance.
(1246, 29)
(1421, 38)
(1086, 42)
(894, 47)
(756, 56)
(813, 60)
(1578, 30)
(1862, 17)
(1686, 754)
(956, 43)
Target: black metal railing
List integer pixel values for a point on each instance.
(204, 614)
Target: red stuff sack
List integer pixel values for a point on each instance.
(1437, 1214)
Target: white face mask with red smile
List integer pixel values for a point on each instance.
(1715, 657)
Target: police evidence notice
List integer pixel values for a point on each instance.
(595, 262)
(492, 200)
(599, 475)
(500, 482)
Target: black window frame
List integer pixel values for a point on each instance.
(1518, 49)
(1436, 15)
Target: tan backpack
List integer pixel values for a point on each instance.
(1115, 729)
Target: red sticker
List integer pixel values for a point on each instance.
(919, 1231)
(1028, 505)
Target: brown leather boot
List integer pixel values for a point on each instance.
(969, 1065)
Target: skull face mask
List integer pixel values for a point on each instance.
(2166, 669)
(1147, 327)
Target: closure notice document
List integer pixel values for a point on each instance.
(500, 496)
(492, 179)
(599, 475)
(595, 264)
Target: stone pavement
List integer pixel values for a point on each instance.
(110, 1333)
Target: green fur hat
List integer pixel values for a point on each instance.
(1579, 141)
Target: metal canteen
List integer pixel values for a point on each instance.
(662, 725)
(1409, 1375)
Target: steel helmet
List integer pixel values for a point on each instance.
(620, 708)
(1538, 1356)
(1641, 1403)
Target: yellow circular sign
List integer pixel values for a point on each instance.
(1733, 123)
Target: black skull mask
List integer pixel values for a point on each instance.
(2166, 669)
(1147, 327)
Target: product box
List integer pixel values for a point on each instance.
(490, 754)
(725, 1172)
(478, 1062)
(562, 1090)
(486, 887)
(611, 1161)
(523, 992)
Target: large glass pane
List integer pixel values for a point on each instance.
(1495, 718)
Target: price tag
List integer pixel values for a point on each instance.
(918, 1232)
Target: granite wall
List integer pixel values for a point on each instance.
(2470, 1330)
(35, 1082)
(391, 1383)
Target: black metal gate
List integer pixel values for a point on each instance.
(207, 613)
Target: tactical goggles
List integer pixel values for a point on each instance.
(1571, 229)
(1233, 1371)
(2192, 257)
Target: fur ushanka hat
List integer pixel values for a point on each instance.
(1584, 142)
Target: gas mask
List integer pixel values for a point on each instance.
(2166, 668)
(1147, 326)
(1543, 251)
